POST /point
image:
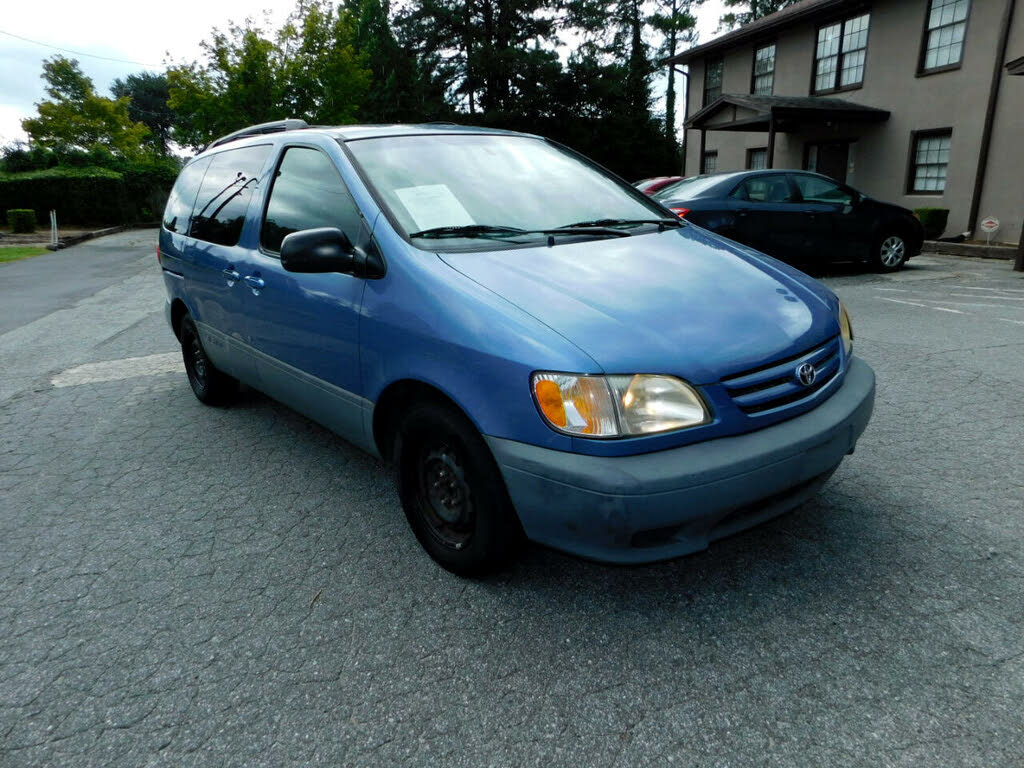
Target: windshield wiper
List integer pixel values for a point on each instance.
(467, 230)
(489, 230)
(662, 223)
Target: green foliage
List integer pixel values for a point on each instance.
(149, 93)
(90, 195)
(21, 219)
(310, 68)
(75, 116)
(933, 220)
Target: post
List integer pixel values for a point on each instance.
(771, 140)
(1018, 263)
(54, 242)
(700, 158)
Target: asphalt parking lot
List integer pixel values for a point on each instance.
(182, 585)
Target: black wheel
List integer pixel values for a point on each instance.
(890, 252)
(453, 493)
(211, 386)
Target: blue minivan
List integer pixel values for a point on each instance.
(541, 351)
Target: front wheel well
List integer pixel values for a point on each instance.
(396, 400)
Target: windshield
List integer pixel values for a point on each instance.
(471, 186)
(687, 189)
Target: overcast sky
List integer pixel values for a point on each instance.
(140, 35)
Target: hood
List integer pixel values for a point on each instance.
(683, 302)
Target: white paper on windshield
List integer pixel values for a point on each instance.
(434, 205)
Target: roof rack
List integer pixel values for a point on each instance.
(277, 126)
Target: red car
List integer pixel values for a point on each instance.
(652, 185)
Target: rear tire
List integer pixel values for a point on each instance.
(452, 492)
(210, 385)
(890, 252)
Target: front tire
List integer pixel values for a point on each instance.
(452, 492)
(210, 385)
(890, 252)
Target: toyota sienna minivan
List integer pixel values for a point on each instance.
(540, 350)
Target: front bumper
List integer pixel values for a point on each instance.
(654, 506)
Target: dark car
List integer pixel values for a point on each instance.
(798, 216)
(652, 185)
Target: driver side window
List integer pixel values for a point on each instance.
(817, 190)
(308, 193)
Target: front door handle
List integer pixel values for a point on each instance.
(255, 282)
(232, 276)
(742, 211)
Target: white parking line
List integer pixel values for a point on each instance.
(115, 370)
(1008, 320)
(986, 288)
(946, 309)
(899, 301)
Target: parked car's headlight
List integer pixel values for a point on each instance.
(617, 406)
(845, 329)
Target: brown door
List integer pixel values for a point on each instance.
(828, 158)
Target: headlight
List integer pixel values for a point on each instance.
(845, 329)
(617, 406)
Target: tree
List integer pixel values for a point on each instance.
(149, 93)
(76, 117)
(675, 22)
(756, 9)
(309, 69)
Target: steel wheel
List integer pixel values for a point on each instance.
(445, 496)
(209, 385)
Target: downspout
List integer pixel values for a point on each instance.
(990, 114)
(686, 115)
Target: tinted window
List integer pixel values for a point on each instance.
(764, 189)
(308, 193)
(183, 196)
(224, 195)
(817, 190)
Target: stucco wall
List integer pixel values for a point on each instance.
(954, 99)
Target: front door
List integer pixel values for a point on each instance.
(305, 327)
(829, 158)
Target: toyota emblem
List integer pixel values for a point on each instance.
(806, 374)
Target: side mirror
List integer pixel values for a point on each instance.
(326, 249)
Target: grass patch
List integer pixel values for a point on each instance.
(15, 252)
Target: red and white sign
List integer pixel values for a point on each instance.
(989, 224)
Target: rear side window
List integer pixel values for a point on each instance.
(308, 193)
(764, 189)
(183, 196)
(225, 193)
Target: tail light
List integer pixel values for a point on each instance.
(158, 258)
(680, 212)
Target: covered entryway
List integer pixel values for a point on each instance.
(788, 114)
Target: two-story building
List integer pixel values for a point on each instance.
(911, 101)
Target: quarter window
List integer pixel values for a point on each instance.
(944, 39)
(840, 53)
(308, 193)
(929, 161)
(757, 159)
(224, 196)
(764, 70)
(712, 80)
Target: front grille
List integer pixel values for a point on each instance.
(775, 384)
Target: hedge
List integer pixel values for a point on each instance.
(21, 220)
(933, 220)
(89, 195)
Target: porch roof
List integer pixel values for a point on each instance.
(750, 112)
